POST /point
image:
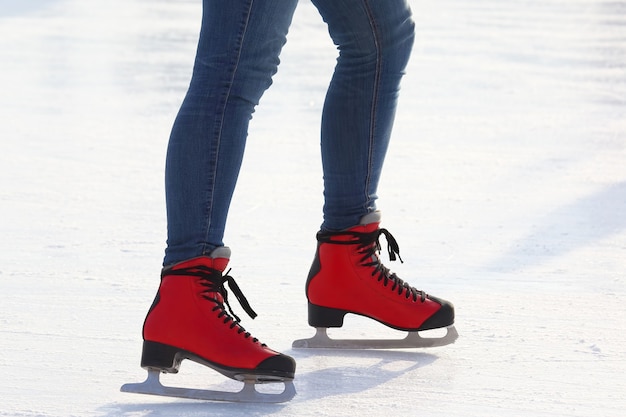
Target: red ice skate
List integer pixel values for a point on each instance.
(191, 319)
(347, 276)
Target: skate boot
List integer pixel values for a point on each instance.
(191, 319)
(347, 276)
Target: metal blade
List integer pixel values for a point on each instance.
(412, 340)
(248, 394)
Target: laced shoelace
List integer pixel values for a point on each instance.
(214, 281)
(369, 246)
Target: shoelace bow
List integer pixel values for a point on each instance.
(214, 281)
(369, 246)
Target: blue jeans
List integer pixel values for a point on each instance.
(237, 55)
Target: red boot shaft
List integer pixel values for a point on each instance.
(348, 277)
(188, 320)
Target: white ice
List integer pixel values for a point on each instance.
(505, 186)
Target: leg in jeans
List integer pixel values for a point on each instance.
(374, 38)
(237, 55)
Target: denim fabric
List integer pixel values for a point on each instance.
(237, 55)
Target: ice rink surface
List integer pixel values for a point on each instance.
(505, 186)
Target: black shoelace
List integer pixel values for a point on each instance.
(369, 246)
(214, 281)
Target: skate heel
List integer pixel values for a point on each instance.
(160, 357)
(325, 316)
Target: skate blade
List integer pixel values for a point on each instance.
(248, 394)
(412, 340)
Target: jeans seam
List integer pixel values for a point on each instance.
(220, 121)
(375, 89)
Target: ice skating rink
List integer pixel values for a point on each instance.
(505, 186)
